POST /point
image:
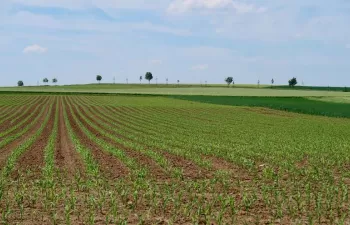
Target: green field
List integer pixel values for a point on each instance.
(325, 106)
(217, 90)
(85, 158)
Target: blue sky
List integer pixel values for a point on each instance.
(189, 40)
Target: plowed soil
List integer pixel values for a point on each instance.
(66, 157)
(189, 168)
(33, 158)
(6, 151)
(143, 160)
(110, 166)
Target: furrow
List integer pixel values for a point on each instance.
(33, 158)
(66, 158)
(17, 152)
(144, 157)
(109, 165)
(182, 166)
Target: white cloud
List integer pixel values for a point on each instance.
(200, 67)
(182, 6)
(34, 49)
(155, 61)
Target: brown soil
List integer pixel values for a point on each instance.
(190, 169)
(8, 122)
(6, 151)
(33, 158)
(143, 160)
(109, 165)
(224, 165)
(5, 111)
(30, 119)
(66, 157)
(119, 110)
(13, 119)
(269, 112)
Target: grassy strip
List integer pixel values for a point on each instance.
(311, 88)
(292, 104)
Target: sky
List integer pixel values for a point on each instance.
(188, 40)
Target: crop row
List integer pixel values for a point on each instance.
(244, 125)
(248, 172)
(17, 112)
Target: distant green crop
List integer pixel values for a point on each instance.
(292, 104)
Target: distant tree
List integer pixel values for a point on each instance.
(45, 80)
(229, 81)
(149, 77)
(178, 82)
(167, 81)
(99, 78)
(140, 79)
(258, 83)
(346, 89)
(292, 82)
(54, 80)
(20, 83)
(272, 82)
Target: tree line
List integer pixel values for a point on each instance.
(20, 83)
(292, 82)
(148, 76)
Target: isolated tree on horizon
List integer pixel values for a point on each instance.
(149, 77)
(99, 78)
(45, 80)
(54, 80)
(20, 83)
(229, 80)
(272, 82)
(140, 79)
(178, 82)
(292, 82)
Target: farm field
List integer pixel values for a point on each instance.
(85, 159)
(211, 90)
(326, 106)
